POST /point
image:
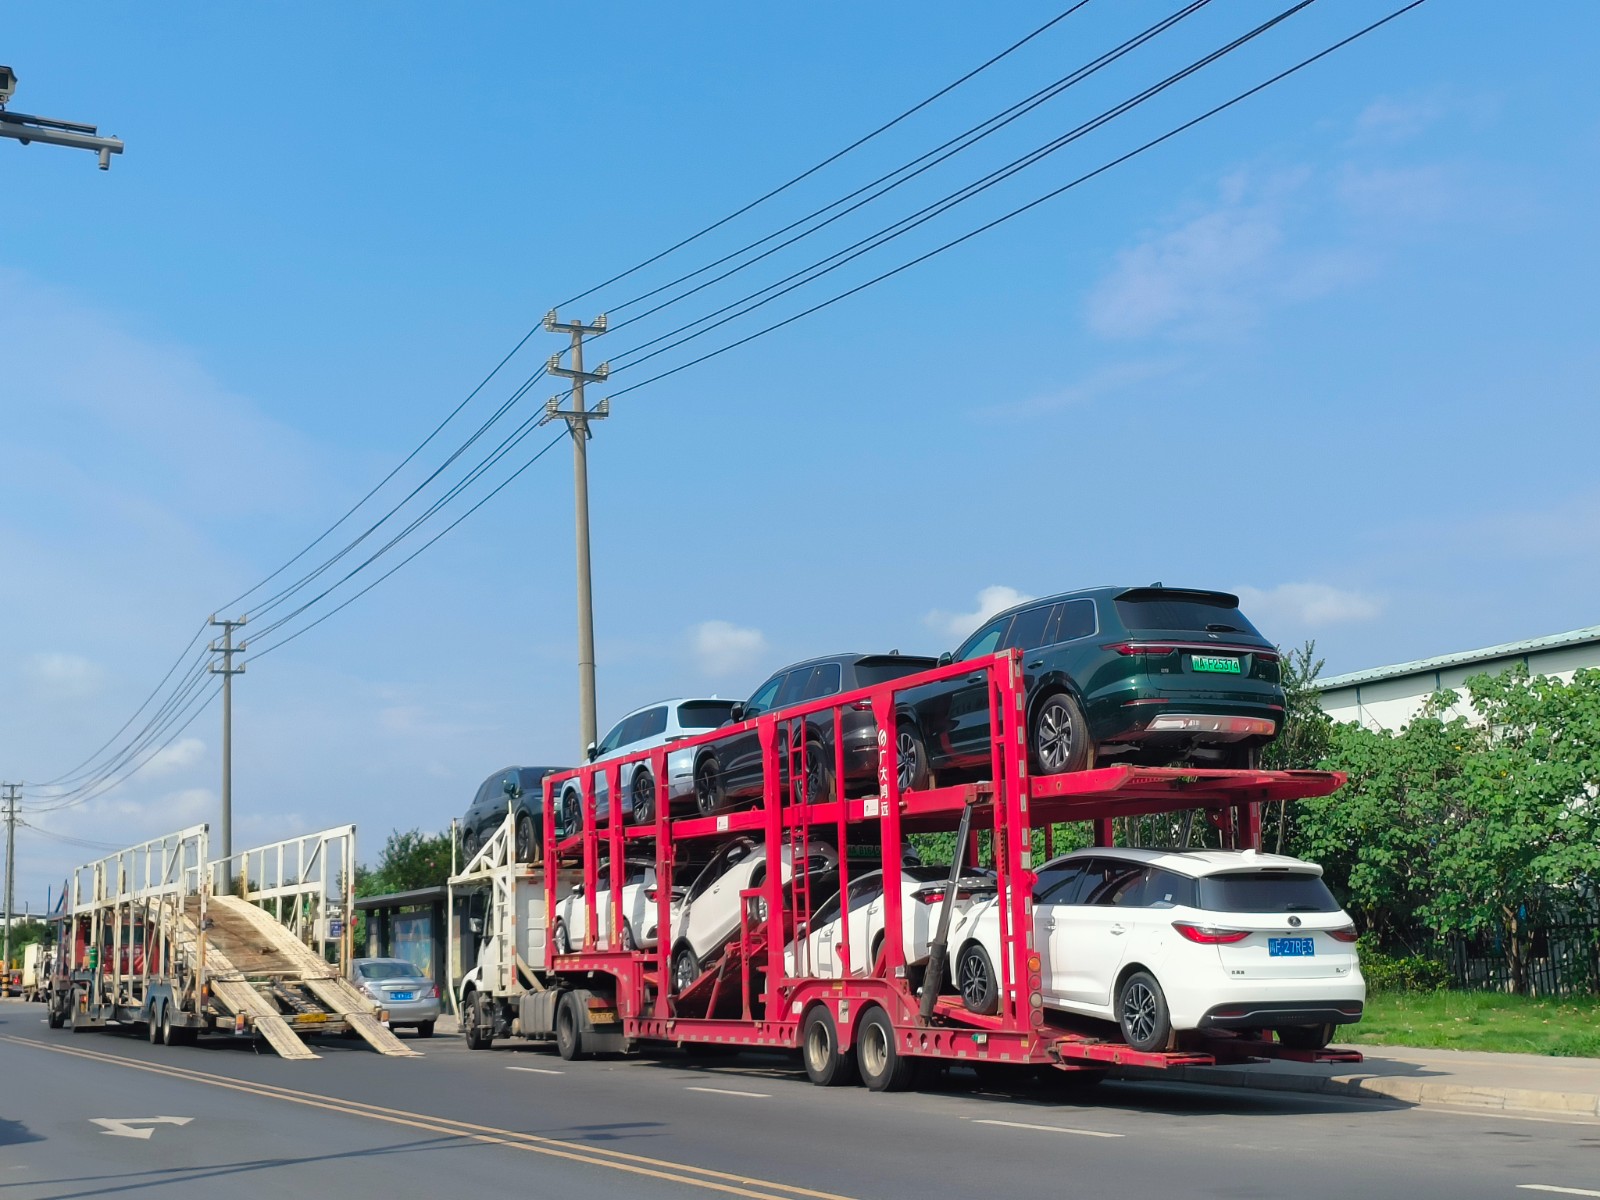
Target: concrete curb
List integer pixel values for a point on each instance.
(1454, 1094)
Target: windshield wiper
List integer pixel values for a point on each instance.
(1223, 629)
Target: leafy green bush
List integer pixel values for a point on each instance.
(1399, 973)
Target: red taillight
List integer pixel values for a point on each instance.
(1128, 649)
(433, 992)
(1210, 935)
(862, 706)
(930, 897)
(1346, 934)
(650, 893)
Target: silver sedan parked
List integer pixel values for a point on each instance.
(396, 985)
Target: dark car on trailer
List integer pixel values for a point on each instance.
(1144, 675)
(520, 788)
(729, 771)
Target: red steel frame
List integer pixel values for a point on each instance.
(1009, 805)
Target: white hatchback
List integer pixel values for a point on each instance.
(658, 724)
(1164, 941)
(639, 910)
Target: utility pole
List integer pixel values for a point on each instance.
(227, 670)
(11, 864)
(577, 419)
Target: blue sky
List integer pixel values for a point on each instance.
(1333, 349)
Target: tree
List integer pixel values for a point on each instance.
(408, 861)
(1303, 741)
(1519, 836)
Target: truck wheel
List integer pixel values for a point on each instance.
(478, 1022)
(56, 1017)
(154, 1028)
(569, 1028)
(883, 1068)
(173, 1035)
(826, 1064)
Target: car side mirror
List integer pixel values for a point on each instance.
(577, 889)
(590, 751)
(510, 788)
(475, 924)
(946, 659)
(736, 713)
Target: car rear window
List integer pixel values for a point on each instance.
(388, 969)
(1266, 892)
(704, 714)
(1168, 610)
(872, 671)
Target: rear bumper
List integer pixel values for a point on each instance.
(411, 1012)
(1273, 1013)
(1209, 727)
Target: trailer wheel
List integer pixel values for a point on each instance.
(976, 980)
(709, 792)
(56, 1017)
(1142, 1013)
(569, 1029)
(1059, 736)
(174, 1035)
(1306, 1037)
(883, 1068)
(826, 1064)
(154, 1028)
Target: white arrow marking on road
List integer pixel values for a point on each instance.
(124, 1126)
(1550, 1187)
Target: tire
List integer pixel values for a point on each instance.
(425, 1029)
(1306, 1037)
(877, 951)
(561, 939)
(476, 1022)
(685, 968)
(643, 789)
(912, 753)
(976, 980)
(818, 785)
(571, 816)
(826, 1064)
(172, 1035)
(153, 1027)
(469, 845)
(709, 791)
(569, 1028)
(56, 1017)
(883, 1068)
(1058, 736)
(629, 942)
(1142, 1013)
(526, 841)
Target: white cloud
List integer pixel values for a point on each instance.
(64, 676)
(723, 648)
(1098, 384)
(991, 600)
(1390, 119)
(1305, 606)
(183, 753)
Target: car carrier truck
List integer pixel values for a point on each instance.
(160, 936)
(878, 1018)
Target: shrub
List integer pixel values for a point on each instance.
(1400, 973)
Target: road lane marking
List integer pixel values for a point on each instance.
(1550, 1187)
(594, 1156)
(129, 1126)
(537, 1070)
(730, 1092)
(1049, 1128)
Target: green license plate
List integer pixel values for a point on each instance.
(1214, 663)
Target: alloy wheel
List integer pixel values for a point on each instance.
(1139, 1012)
(974, 980)
(906, 750)
(1055, 735)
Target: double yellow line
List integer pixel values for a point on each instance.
(594, 1156)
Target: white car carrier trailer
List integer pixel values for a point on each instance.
(256, 945)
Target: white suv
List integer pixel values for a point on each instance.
(657, 724)
(1162, 941)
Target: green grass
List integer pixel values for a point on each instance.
(1568, 1028)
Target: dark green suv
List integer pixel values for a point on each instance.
(1148, 675)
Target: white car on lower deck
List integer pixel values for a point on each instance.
(1165, 941)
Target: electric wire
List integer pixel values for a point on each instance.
(1051, 195)
(832, 158)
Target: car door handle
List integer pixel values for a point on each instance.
(974, 677)
(1119, 929)
(1035, 664)
(1050, 924)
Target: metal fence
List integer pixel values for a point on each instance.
(1563, 960)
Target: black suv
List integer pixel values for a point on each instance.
(1146, 675)
(729, 770)
(520, 786)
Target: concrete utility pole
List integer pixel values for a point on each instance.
(577, 419)
(227, 670)
(27, 128)
(11, 864)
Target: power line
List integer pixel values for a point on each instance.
(1051, 195)
(832, 158)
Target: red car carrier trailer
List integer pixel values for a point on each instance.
(602, 993)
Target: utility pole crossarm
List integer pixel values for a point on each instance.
(25, 127)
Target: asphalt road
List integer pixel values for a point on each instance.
(355, 1124)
